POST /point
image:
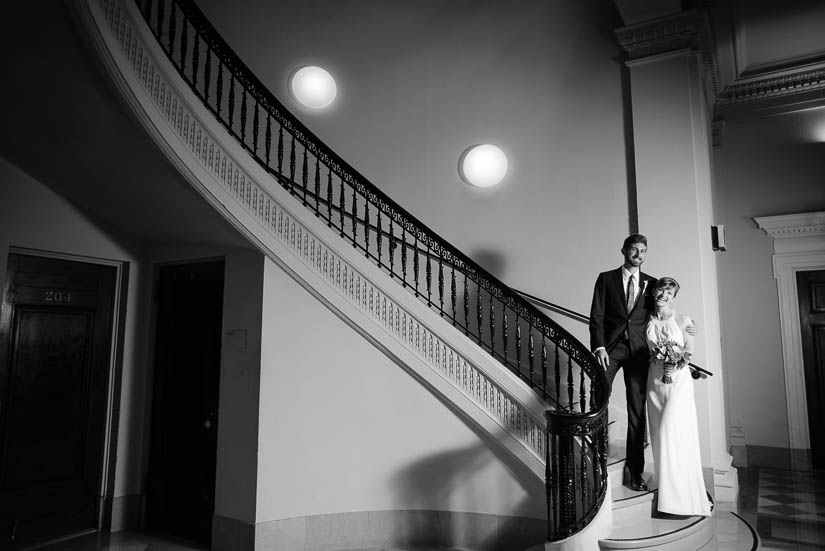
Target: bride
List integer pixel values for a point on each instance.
(674, 433)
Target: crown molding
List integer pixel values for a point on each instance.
(793, 225)
(767, 88)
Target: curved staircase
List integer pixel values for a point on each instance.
(637, 525)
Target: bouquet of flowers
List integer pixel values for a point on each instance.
(673, 356)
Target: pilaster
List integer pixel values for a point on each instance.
(672, 85)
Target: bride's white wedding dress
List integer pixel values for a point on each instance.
(674, 433)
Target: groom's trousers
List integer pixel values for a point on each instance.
(634, 369)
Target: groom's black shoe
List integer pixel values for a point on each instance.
(634, 481)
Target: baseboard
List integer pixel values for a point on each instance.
(779, 458)
(229, 534)
(380, 529)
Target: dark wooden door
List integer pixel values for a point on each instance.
(811, 290)
(181, 489)
(55, 341)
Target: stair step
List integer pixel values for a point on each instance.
(666, 532)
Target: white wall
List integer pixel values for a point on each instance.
(343, 428)
(421, 81)
(35, 217)
(764, 167)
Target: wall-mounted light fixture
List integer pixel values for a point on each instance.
(482, 165)
(313, 87)
(717, 238)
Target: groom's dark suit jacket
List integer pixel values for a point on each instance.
(608, 312)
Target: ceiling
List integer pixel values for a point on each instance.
(63, 124)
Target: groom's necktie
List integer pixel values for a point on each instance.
(631, 294)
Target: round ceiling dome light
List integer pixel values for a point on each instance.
(313, 87)
(483, 165)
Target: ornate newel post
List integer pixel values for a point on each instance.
(672, 86)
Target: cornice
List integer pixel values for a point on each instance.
(804, 81)
(793, 225)
(685, 30)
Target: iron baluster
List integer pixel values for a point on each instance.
(280, 152)
(292, 160)
(160, 18)
(231, 105)
(342, 203)
(558, 374)
(466, 305)
(392, 244)
(453, 291)
(329, 197)
(195, 62)
(256, 126)
(505, 332)
(207, 75)
(367, 227)
(243, 116)
(268, 139)
(147, 10)
(184, 47)
(440, 285)
(583, 472)
(219, 89)
(378, 237)
(479, 311)
(429, 275)
(531, 356)
(544, 365)
(304, 177)
(415, 263)
(492, 327)
(568, 480)
(354, 218)
(582, 393)
(172, 32)
(403, 257)
(317, 185)
(518, 347)
(570, 388)
(553, 479)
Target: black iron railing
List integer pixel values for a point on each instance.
(516, 333)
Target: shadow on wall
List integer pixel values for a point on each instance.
(491, 260)
(441, 477)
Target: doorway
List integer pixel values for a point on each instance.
(56, 323)
(183, 444)
(811, 291)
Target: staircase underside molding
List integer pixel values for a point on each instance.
(465, 377)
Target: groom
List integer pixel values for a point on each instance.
(622, 301)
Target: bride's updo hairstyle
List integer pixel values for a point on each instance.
(667, 283)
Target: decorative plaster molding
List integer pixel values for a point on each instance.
(793, 225)
(688, 30)
(763, 89)
(794, 253)
(366, 298)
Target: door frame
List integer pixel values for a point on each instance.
(151, 352)
(114, 373)
(799, 245)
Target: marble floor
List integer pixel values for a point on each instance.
(785, 508)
